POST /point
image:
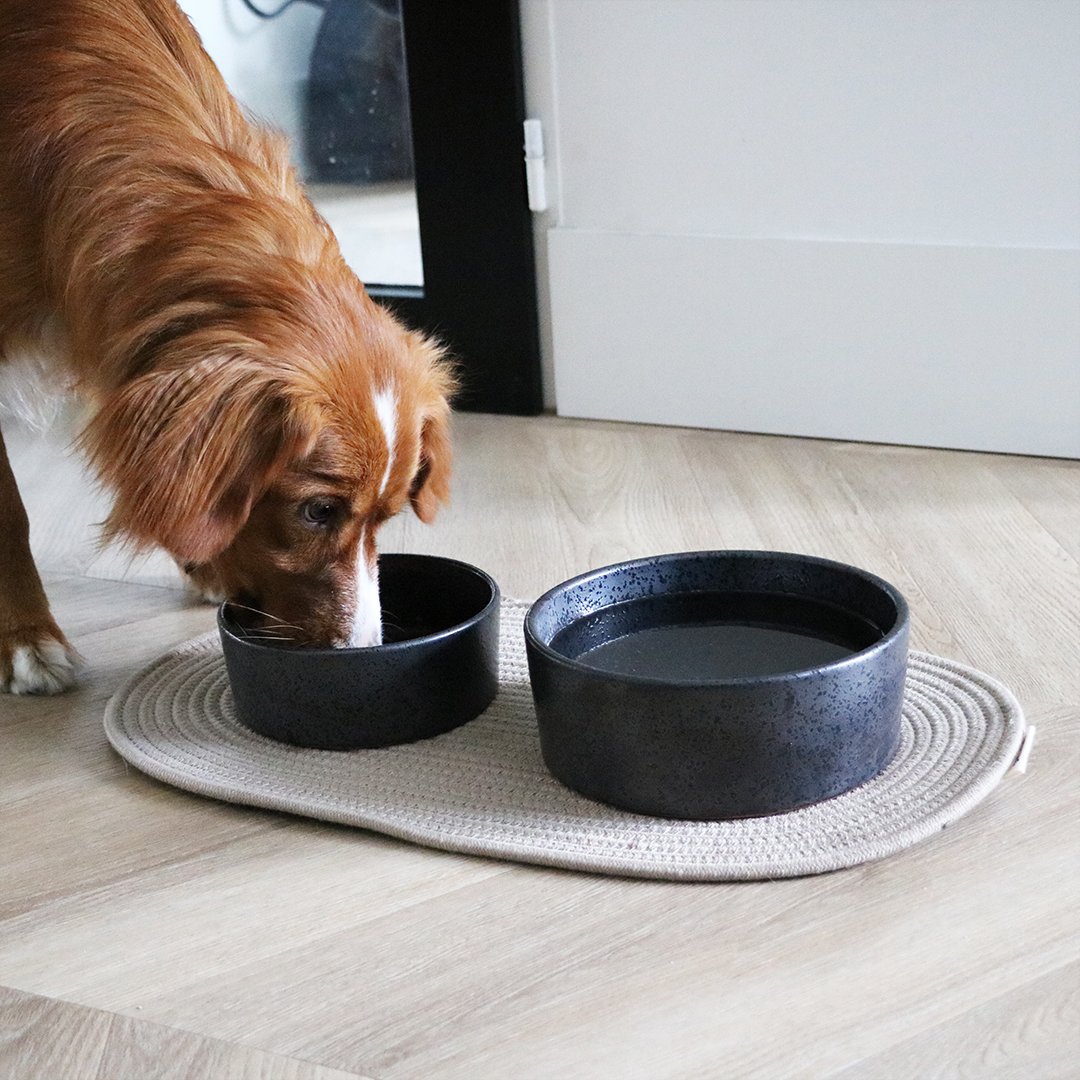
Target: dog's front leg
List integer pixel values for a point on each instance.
(35, 657)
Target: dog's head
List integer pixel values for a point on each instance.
(265, 466)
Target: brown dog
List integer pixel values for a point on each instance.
(257, 415)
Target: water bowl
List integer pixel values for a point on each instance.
(436, 670)
(718, 684)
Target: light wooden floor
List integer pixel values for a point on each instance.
(146, 932)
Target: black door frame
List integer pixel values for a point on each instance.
(466, 94)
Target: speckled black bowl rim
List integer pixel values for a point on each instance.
(550, 654)
(225, 624)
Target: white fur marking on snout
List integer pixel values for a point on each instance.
(367, 615)
(386, 411)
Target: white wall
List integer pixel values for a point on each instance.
(265, 64)
(680, 130)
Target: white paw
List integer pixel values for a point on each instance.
(47, 667)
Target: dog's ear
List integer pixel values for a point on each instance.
(431, 485)
(187, 452)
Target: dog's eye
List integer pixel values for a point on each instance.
(319, 513)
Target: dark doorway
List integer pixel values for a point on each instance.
(468, 106)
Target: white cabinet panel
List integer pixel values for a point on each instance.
(964, 347)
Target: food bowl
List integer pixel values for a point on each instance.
(437, 668)
(718, 684)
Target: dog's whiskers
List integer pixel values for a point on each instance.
(258, 611)
(389, 622)
(276, 622)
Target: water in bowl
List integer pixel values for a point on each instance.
(712, 651)
(705, 637)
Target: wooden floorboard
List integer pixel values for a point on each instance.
(1027, 1034)
(43, 1037)
(148, 932)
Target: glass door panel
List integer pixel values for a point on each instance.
(331, 74)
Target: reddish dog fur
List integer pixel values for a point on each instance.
(257, 414)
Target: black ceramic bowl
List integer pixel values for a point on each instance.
(440, 671)
(718, 684)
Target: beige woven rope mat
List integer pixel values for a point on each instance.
(483, 788)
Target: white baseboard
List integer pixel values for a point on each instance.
(972, 348)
